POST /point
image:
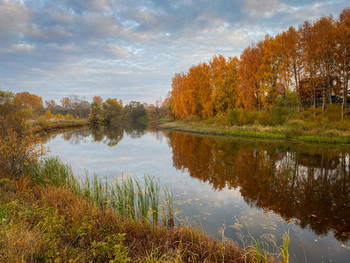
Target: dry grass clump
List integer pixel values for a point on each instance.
(177, 244)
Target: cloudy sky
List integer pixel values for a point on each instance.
(130, 49)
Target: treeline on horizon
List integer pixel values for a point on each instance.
(298, 68)
(97, 111)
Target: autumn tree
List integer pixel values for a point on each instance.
(66, 103)
(135, 111)
(269, 69)
(248, 89)
(79, 106)
(308, 88)
(176, 94)
(112, 111)
(20, 148)
(95, 115)
(198, 83)
(97, 99)
(223, 82)
(50, 104)
(290, 67)
(324, 45)
(31, 101)
(343, 53)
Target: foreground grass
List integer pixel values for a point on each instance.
(59, 220)
(257, 131)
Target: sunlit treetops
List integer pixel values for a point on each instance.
(312, 60)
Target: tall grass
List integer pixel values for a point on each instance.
(132, 198)
(284, 249)
(53, 172)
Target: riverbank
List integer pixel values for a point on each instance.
(62, 220)
(55, 124)
(289, 133)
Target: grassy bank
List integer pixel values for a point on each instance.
(43, 124)
(285, 132)
(62, 220)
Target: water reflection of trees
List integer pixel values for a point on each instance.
(110, 135)
(309, 184)
(135, 129)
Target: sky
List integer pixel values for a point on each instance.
(131, 49)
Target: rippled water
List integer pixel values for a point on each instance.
(233, 188)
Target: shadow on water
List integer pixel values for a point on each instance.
(306, 183)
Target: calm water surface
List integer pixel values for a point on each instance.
(233, 188)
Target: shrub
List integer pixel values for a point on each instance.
(49, 115)
(295, 122)
(42, 121)
(265, 118)
(343, 125)
(333, 112)
(19, 147)
(19, 152)
(280, 115)
(220, 119)
(332, 133)
(247, 117)
(312, 113)
(233, 117)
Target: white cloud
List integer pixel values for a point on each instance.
(23, 48)
(262, 8)
(14, 17)
(118, 51)
(65, 48)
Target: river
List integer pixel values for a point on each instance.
(233, 188)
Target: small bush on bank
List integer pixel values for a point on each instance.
(265, 118)
(233, 117)
(334, 112)
(247, 117)
(280, 114)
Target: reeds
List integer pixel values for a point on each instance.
(53, 172)
(132, 198)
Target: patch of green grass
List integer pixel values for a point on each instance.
(275, 133)
(324, 139)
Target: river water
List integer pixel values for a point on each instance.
(233, 188)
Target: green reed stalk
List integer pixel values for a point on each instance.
(169, 207)
(285, 253)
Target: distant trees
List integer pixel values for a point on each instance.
(76, 106)
(97, 99)
(50, 104)
(31, 101)
(161, 109)
(135, 111)
(109, 112)
(313, 60)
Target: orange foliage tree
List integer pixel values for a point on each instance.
(32, 101)
(248, 89)
(313, 60)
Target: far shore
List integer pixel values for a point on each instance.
(257, 131)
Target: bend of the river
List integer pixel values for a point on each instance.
(233, 188)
